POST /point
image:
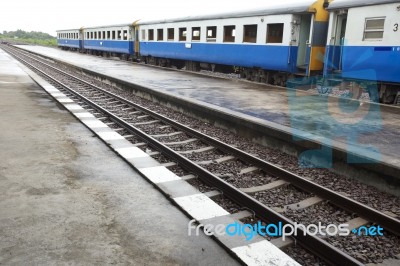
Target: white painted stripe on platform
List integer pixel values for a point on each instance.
(109, 135)
(50, 89)
(84, 115)
(93, 123)
(65, 100)
(58, 94)
(263, 253)
(200, 207)
(73, 107)
(159, 174)
(132, 152)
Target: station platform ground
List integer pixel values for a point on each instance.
(362, 128)
(66, 198)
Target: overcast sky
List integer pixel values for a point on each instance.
(49, 16)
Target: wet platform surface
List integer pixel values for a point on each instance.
(66, 198)
(366, 128)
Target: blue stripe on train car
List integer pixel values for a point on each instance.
(380, 63)
(68, 43)
(125, 47)
(244, 55)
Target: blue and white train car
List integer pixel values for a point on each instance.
(70, 39)
(115, 39)
(364, 44)
(269, 43)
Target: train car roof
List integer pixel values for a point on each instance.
(109, 26)
(68, 30)
(341, 4)
(269, 9)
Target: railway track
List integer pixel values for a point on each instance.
(215, 163)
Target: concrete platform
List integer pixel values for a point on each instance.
(66, 198)
(361, 132)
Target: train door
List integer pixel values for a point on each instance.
(303, 54)
(81, 39)
(137, 47)
(337, 42)
(131, 41)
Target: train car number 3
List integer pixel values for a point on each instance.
(396, 27)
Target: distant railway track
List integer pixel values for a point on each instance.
(186, 147)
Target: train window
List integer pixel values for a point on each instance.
(119, 35)
(196, 34)
(211, 34)
(275, 33)
(171, 34)
(104, 35)
(143, 35)
(182, 34)
(160, 34)
(151, 35)
(125, 35)
(373, 29)
(250, 33)
(229, 33)
(113, 37)
(108, 35)
(91, 35)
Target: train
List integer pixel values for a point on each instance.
(318, 42)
